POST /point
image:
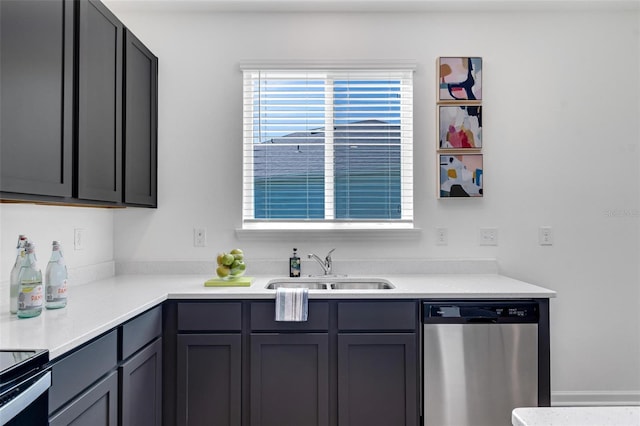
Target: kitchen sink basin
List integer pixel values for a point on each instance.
(274, 284)
(362, 285)
(331, 283)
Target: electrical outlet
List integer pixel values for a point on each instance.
(79, 239)
(199, 237)
(488, 236)
(442, 237)
(545, 236)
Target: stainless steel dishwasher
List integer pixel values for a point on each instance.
(480, 361)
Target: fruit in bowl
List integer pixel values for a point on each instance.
(230, 265)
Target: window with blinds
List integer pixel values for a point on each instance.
(328, 147)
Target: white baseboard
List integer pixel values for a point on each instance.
(594, 398)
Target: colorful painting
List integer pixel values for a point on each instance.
(460, 126)
(460, 79)
(461, 175)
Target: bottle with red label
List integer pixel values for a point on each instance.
(30, 297)
(55, 279)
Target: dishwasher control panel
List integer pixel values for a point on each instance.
(487, 312)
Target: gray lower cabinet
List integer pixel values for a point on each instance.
(116, 379)
(141, 387)
(97, 406)
(289, 379)
(378, 368)
(208, 379)
(140, 370)
(377, 379)
(208, 364)
(84, 385)
(353, 363)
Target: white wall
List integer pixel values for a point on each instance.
(560, 142)
(43, 224)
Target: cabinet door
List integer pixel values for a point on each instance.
(98, 406)
(377, 379)
(289, 380)
(99, 103)
(209, 379)
(140, 123)
(141, 387)
(36, 106)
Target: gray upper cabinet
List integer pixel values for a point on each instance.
(79, 106)
(99, 103)
(140, 123)
(36, 106)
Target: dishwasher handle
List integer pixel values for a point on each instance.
(480, 320)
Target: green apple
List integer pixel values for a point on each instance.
(238, 254)
(223, 271)
(220, 258)
(238, 267)
(228, 259)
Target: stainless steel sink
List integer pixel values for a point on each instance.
(331, 283)
(362, 285)
(274, 284)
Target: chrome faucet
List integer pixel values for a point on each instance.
(326, 264)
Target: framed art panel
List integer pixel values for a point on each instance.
(459, 79)
(460, 126)
(461, 175)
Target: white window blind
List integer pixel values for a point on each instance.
(324, 148)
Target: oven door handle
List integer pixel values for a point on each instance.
(14, 407)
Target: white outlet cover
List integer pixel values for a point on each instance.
(199, 237)
(545, 236)
(79, 237)
(442, 236)
(488, 236)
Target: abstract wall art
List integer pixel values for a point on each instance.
(461, 175)
(459, 79)
(460, 126)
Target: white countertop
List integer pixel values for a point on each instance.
(576, 416)
(99, 306)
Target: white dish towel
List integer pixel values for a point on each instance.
(292, 304)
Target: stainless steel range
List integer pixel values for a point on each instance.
(24, 384)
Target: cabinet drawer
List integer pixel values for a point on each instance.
(210, 316)
(76, 372)
(263, 318)
(140, 331)
(378, 315)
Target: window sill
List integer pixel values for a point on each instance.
(333, 234)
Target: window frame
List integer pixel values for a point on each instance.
(335, 70)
